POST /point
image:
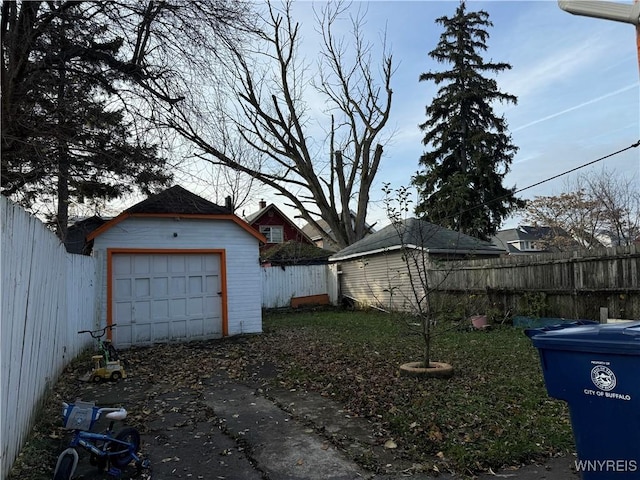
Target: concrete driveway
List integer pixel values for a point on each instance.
(239, 430)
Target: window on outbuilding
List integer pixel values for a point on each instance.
(274, 234)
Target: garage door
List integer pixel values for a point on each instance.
(165, 297)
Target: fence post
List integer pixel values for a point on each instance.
(604, 314)
(332, 283)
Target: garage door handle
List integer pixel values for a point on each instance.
(219, 293)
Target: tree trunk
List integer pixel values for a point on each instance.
(62, 211)
(426, 337)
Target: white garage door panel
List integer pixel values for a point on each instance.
(166, 297)
(179, 329)
(161, 330)
(122, 335)
(122, 287)
(122, 264)
(143, 334)
(160, 310)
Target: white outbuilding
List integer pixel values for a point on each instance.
(176, 267)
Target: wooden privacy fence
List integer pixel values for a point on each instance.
(574, 284)
(569, 285)
(47, 296)
(281, 284)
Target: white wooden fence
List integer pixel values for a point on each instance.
(280, 284)
(47, 296)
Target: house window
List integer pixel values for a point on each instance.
(273, 234)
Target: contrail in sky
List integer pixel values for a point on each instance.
(557, 114)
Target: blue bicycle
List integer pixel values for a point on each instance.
(108, 452)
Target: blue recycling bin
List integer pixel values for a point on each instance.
(595, 368)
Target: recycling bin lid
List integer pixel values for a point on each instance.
(620, 338)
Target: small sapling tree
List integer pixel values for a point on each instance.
(418, 290)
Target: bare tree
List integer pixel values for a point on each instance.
(417, 265)
(430, 259)
(619, 198)
(320, 177)
(231, 185)
(169, 73)
(594, 209)
(572, 217)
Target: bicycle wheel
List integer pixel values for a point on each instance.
(130, 436)
(65, 468)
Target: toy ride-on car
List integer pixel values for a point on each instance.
(104, 370)
(106, 366)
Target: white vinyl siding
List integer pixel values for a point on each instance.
(377, 280)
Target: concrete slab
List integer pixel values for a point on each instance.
(280, 446)
(245, 430)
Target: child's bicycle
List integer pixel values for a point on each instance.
(107, 365)
(108, 451)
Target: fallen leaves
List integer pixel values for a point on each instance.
(170, 459)
(390, 444)
(494, 411)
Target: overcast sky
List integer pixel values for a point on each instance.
(576, 79)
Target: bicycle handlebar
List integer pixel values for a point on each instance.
(120, 412)
(94, 333)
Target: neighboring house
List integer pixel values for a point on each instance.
(295, 253)
(609, 239)
(75, 242)
(325, 238)
(176, 267)
(275, 226)
(532, 239)
(373, 271)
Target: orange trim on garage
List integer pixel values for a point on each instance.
(195, 251)
(223, 282)
(123, 216)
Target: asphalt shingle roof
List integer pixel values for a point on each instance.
(418, 234)
(293, 252)
(256, 215)
(177, 200)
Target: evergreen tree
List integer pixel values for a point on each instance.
(69, 142)
(470, 150)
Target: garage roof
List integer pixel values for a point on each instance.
(417, 234)
(177, 202)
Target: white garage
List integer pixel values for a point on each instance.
(177, 267)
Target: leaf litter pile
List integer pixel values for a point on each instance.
(493, 412)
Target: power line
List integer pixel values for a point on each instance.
(592, 162)
(634, 145)
(497, 199)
